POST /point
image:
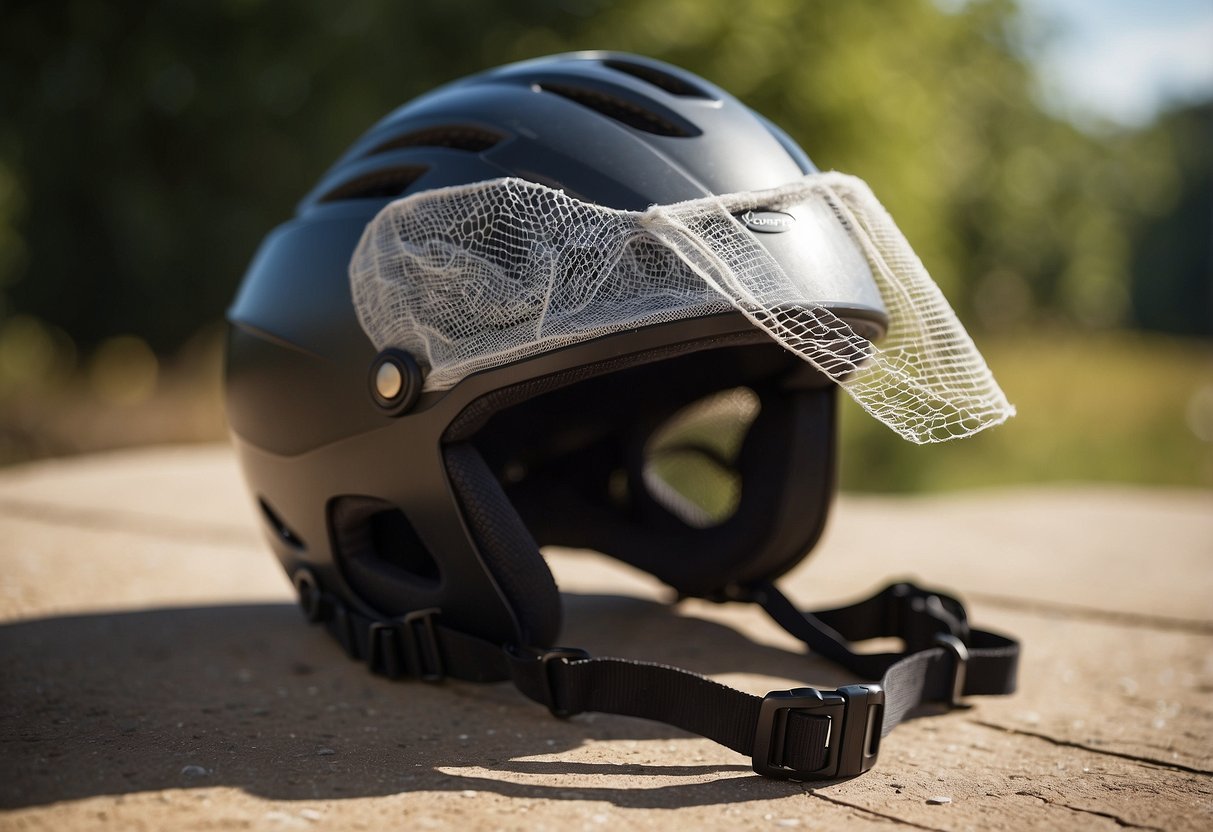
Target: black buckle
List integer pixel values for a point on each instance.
(855, 712)
(960, 664)
(917, 615)
(407, 646)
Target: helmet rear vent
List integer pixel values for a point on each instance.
(453, 136)
(622, 110)
(670, 83)
(380, 184)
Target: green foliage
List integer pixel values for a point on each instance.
(146, 148)
(1172, 285)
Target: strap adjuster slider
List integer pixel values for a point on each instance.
(552, 659)
(852, 741)
(959, 653)
(407, 646)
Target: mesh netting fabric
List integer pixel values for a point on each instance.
(477, 276)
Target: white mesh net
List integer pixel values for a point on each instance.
(477, 276)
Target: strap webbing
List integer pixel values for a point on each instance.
(802, 733)
(924, 672)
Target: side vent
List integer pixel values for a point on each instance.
(670, 83)
(380, 184)
(372, 537)
(622, 110)
(455, 136)
(281, 529)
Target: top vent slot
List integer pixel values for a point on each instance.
(455, 137)
(380, 184)
(622, 110)
(670, 83)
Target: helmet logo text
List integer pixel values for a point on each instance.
(767, 222)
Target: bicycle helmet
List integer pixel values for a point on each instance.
(592, 300)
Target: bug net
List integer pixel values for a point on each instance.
(477, 276)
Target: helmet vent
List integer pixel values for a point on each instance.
(453, 136)
(376, 536)
(380, 184)
(281, 529)
(622, 110)
(670, 83)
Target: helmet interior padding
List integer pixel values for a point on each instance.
(572, 462)
(506, 547)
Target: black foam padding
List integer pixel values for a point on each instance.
(786, 470)
(393, 573)
(507, 548)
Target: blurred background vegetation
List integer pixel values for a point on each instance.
(145, 149)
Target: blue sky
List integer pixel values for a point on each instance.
(1124, 60)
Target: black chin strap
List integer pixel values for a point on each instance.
(802, 734)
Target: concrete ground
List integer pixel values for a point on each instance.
(155, 674)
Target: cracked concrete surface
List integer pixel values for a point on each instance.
(156, 674)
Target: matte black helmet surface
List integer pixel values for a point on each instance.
(524, 310)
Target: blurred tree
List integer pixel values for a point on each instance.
(1018, 214)
(1172, 286)
(145, 148)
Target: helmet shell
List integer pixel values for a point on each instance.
(320, 455)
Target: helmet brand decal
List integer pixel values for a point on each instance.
(767, 222)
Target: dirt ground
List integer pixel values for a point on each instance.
(157, 675)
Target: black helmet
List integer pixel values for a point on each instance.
(691, 445)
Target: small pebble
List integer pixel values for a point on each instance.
(194, 771)
(938, 800)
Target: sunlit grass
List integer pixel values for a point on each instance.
(1111, 407)
(1108, 407)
